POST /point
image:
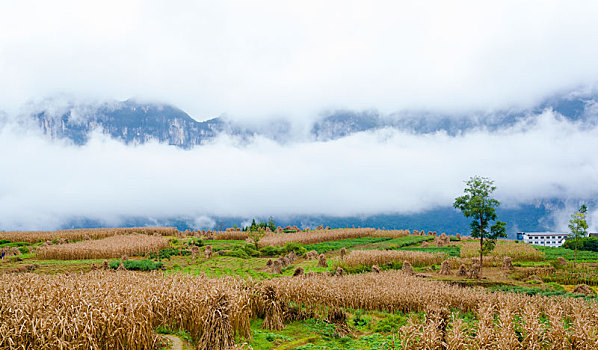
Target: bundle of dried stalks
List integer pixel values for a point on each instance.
(207, 252)
(273, 318)
(445, 268)
(298, 272)
(343, 252)
(217, 330)
(322, 261)
(508, 263)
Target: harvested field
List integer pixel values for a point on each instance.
(312, 237)
(106, 248)
(517, 251)
(116, 310)
(369, 258)
(395, 291)
(81, 234)
(230, 235)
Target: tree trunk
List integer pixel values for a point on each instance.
(481, 246)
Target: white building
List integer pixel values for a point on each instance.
(548, 239)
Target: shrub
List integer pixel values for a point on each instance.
(194, 241)
(239, 253)
(166, 253)
(298, 248)
(271, 250)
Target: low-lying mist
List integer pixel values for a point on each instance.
(44, 183)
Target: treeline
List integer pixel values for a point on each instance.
(255, 226)
(584, 243)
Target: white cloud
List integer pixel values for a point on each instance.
(283, 60)
(204, 222)
(44, 183)
(294, 58)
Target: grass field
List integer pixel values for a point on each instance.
(447, 251)
(552, 253)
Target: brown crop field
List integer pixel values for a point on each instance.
(517, 251)
(357, 258)
(120, 310)
(81, 234)
(52, 298)
(106, 248)
(117, 310)
(318, 236)
(230, 235)
(542, 321)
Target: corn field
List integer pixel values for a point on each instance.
(517, 251)
(230, 235)
(118, 310)
(505, 320)
(106, 248)
(121, 310)
(357, 258)
(81, 234)
(319, 236)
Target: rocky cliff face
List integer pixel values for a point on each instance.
(136, 123)
(130, 122)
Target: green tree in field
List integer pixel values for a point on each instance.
(256, 235)
(478, 205)
(578, 226)
(271, 224)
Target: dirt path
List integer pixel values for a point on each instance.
(177, 344)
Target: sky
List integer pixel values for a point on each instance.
(260, 60)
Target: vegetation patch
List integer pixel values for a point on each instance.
(168, 252)
(399, 242)
(552, 289)
(137, 265)
(447, 251)
(553, 253)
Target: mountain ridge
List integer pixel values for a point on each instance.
(133, 122)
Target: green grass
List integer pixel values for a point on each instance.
(219, 266)
(448, 251)
(137, 265)
(530, 263)
(400, 242)
(13, 244)
(373, 330)
(573, 275)
(184, 335)
(552, 253)
(221, 244)
(344, 243)
(552, 289)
